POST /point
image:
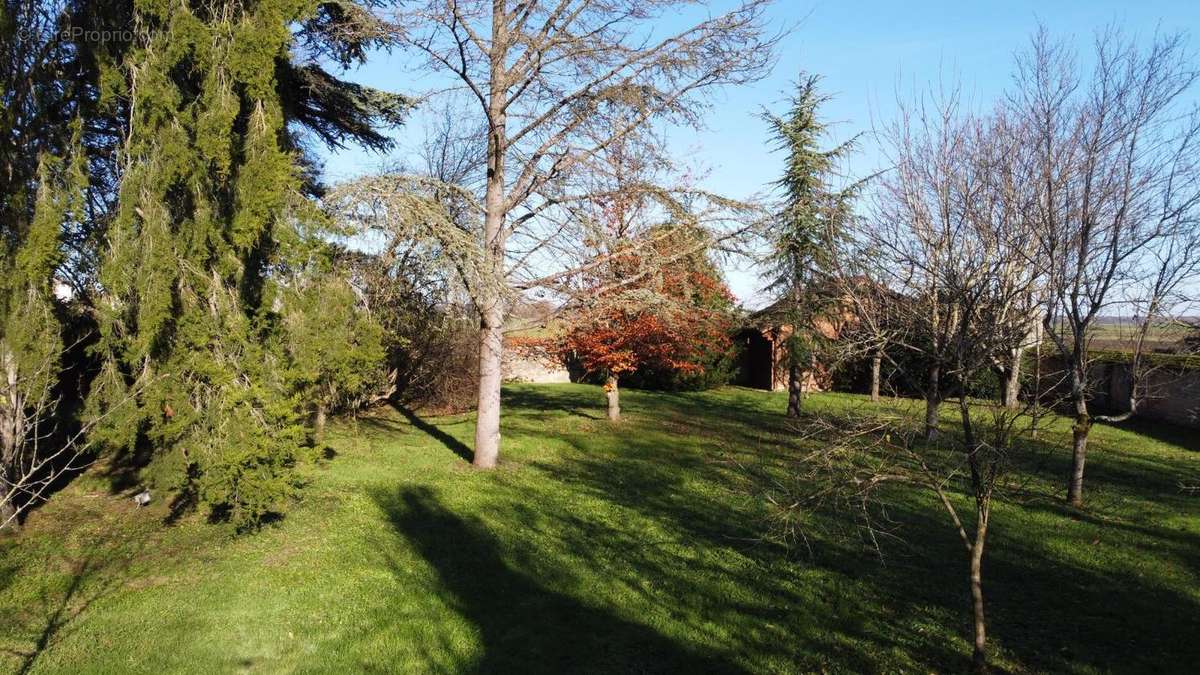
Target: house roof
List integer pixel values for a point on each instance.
(777, 312)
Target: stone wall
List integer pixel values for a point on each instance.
(1173, 394)
(520, 368)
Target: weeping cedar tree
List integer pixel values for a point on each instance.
(213, 201)
(804, 234)
(650, 309)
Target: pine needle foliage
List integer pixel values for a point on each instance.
(805, 233)
(812, 209)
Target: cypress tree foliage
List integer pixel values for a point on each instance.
(58, 135)
(213, 203)
(335, 343)
(808, 225)
(60, 89)
(31, 343)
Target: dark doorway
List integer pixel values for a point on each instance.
(755, 362)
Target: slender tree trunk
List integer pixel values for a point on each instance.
(876, 363)
(933, 399)
(1012, 380)
(12, 432)
(491, 309)
(1079, 433)
(1079, 437)
(614, 398)
(1037, 388)
(979, 620)
(487, 417)
(8, 510)
(319, 421)
(1078, 458)
(983, 502)
(795, 390)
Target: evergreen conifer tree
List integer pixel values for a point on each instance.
(804, 234)
(214, 201)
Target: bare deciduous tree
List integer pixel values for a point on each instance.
(556, 82)
(949, 264)
(920, 217)
(1112, 157)
(38, 445)
(861, 452)
(1159, 298)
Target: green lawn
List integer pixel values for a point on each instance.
(602, 548)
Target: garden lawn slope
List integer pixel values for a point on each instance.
(602, 548)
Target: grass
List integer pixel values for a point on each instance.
(602, 548)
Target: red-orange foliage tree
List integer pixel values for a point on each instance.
(645, 305)
(671, 328)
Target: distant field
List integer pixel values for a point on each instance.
(1120, 336)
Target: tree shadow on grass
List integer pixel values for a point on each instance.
(1049, 609)
(92, 578)
(388, 425)
(1047, 612)
(844, 620)
(524, 626)
(573, 401)
(738, 419)
(1172, 434)
(58, 613)
(452, 444)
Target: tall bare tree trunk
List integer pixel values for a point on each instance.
(614, 398)
(12, 420)
(319, 420)
(1012, 380)
(1037, 388)
(876, 363)
(1079, 437)
(491, 328)
(487, 416)
(933, 400)
(8, 509)
(795, 390)
(979, 621)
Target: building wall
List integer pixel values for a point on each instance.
(1173, 393)
(519, 368)
(764, 361)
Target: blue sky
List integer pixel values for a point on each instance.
(865, 52)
